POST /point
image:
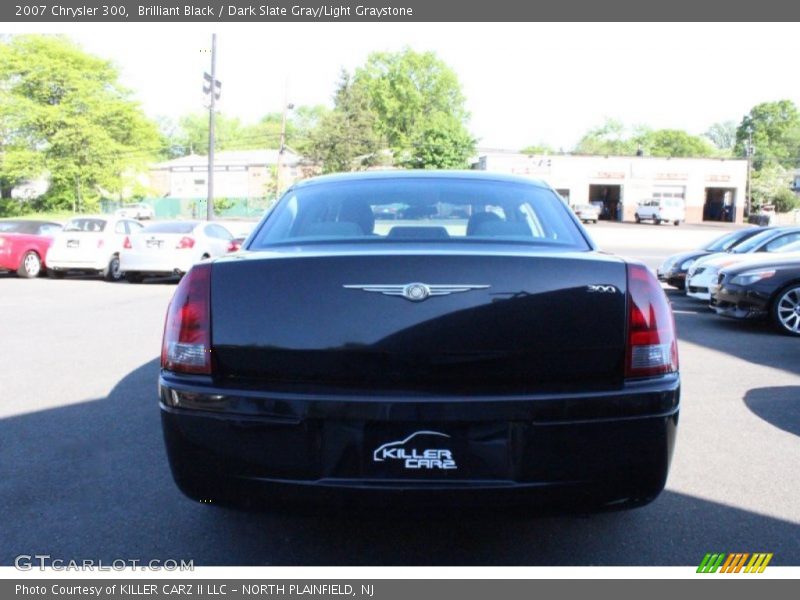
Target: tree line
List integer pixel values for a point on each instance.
(65, 116)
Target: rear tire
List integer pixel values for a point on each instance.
(30, 266)
(112, 272)
(638, 218)
(53, 274)
(133, 277)
(676, 223)
(785, 310)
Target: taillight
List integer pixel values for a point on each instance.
(100, 243)
(652, 347)
(234, 246)
(185, 243)
(127, 243)
(187, 331)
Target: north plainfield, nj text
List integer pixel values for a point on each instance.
(326, 11)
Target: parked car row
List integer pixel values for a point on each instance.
(112, 246)
(747, 274)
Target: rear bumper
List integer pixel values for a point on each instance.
(167, 263)
(61, 262)
(599, 449)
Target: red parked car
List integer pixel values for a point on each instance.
(24, 244)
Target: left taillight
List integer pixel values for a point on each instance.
(127, 243)
(652, 347)
(187, 332)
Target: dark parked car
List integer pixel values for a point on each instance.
(767, 289)
(500, 360)
(24, 244)
(673, 270)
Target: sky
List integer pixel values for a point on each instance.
(525, 83)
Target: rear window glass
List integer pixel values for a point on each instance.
(88, 225)
(18, 227)
(753, 243)
(435, 210)
(170, 227)
(728, 241)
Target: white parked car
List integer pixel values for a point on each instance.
(90, 244)
(138, 210)
(705, 271)
(661, 210)
(587, 213)
(172, 247)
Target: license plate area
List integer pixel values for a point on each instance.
(73, 243)
(154, 244)
(443, 451)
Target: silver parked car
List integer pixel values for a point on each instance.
(90, 244)
(172, 247)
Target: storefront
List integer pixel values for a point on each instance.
(712, 189)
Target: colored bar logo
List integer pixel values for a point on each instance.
(734, 562)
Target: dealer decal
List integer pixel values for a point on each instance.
(415, 455)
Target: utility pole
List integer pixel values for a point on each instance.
(287, 106)
(749, 204)
(212, 88)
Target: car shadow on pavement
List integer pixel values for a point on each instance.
(753, 341)
(91, 481)
(778, 406)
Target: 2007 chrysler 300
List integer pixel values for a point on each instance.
(433, 337)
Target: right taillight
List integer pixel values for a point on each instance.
(652, 347)
(187, 331)
(185, 243)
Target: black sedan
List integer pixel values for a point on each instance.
(673, 270)
(764, 290)
(492, 358)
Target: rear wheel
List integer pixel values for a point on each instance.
(676, 223)
(133, 277)
(53, 274)
(30, 266)
(638, 218)
(786, 310)
(112, 271)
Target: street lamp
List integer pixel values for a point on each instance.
(287, 107)
(749, 153)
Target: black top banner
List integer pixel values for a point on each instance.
(77, 11)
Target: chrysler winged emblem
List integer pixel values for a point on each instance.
(416, 292)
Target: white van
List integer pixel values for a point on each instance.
(661, 210)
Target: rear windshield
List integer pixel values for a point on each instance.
(729, 240)
(435, 210)
(90, 225)
(753, 243)
(18, 227)
(170, 227)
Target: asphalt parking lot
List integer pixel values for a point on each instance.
(83, 473)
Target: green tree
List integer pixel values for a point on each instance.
(723, 135)
(346, 138)
(419, 108)
(613, 138)
(610, 138)
(775, 128)
(190, 134)
(64, 115)
(538, 149)
(771, 185)
(675, 143)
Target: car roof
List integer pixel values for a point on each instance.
(419, 174)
